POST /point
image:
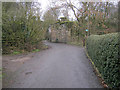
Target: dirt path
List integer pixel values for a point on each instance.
(61, 66)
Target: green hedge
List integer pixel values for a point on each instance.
(103, 50)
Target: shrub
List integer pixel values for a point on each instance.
(103, 50)
(21, 29)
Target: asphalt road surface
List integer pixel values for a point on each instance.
(61, 66)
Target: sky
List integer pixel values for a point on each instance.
(45, 4)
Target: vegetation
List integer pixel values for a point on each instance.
(22, 28)
(95, 16)
(98, 17)
(103, 50)
(25, 26)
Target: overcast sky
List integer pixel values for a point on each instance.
(45, 4)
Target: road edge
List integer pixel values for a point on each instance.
(96, 70)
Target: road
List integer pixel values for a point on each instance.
(61, 66)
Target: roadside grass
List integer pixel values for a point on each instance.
(18, 51)
(77, 43)
(36, 50)
(1, 74)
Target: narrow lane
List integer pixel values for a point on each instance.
(61, 66)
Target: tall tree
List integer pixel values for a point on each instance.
(22, 27)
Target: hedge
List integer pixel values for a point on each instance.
(103, 50)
